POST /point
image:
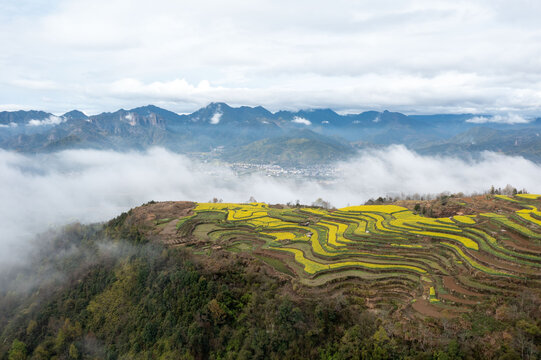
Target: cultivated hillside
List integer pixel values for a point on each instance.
(427, 266)
(184, 280)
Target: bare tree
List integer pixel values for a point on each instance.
(322, 203)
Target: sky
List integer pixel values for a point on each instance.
(414, 56)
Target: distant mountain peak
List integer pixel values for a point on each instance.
(75, 115)
(147, 108)
(217, 105)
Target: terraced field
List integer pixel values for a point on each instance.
(385, 254)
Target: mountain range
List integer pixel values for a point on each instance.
(256, 135)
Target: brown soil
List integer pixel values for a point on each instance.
(146, 217)
(525, 244)
(160, 210)
(423, 307)
(450, 283)
(493, 262)
(514, 246)
(457, 300)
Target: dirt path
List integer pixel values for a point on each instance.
(169, 234)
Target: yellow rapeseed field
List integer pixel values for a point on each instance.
(387, 209)
(328, 238)
(464, 219)
(528, 196)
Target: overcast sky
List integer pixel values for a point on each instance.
(423, 56)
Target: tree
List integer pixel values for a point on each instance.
(216, 311)
(322, 203)
(382, 346)
(509, 190)
(17, 351)
(73, 352)
(351, 344)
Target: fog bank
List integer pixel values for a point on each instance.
(90, 185)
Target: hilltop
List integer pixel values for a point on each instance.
(495, 249)
(216, 280)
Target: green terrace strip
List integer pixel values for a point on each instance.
(183, 220)
(472, 262)
(490, 244)
(512, 225)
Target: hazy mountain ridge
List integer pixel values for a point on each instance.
(524, 142)
(237, 131)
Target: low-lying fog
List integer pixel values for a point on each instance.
(40, 191)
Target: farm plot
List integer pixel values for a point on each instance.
(447, 264)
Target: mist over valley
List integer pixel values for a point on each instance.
(54, 189)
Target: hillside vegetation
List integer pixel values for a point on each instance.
(290, 151)
(181, 280)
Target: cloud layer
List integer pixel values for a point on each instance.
(51, 120)
(476, 56)
(89, 185)
(499, 119)
(301, 120)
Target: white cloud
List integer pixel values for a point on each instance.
(10, 125)
(409, 56)
(175, 89)
(51, 120)
(445, 92)
(35, 84)
(301, 120)
(396, 170)
(499, 119)
(90, 185)
(215, 119)
(131, 119)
